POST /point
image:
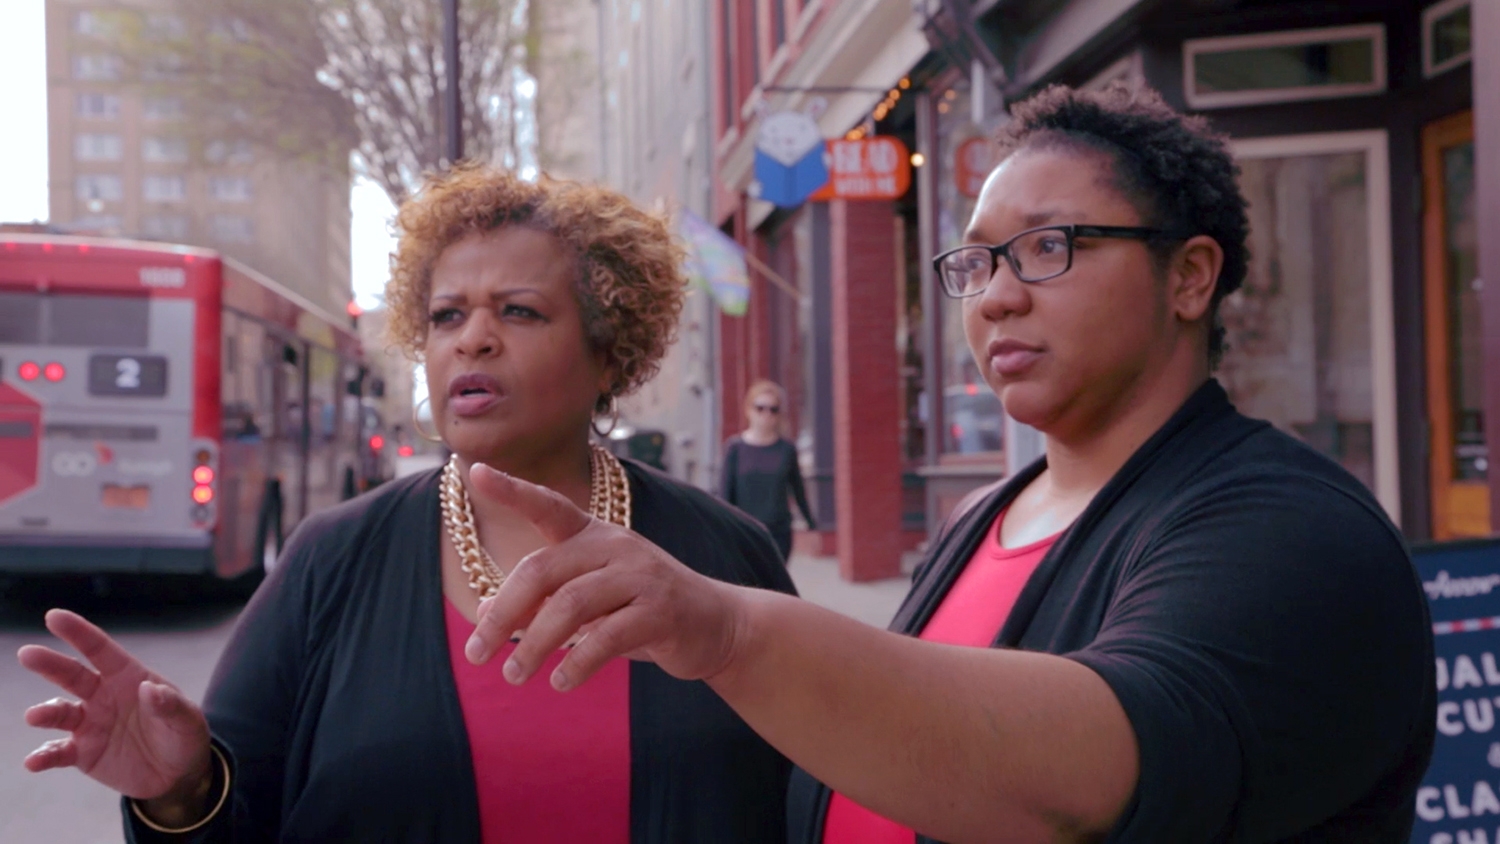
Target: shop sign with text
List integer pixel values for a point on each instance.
(868, 168)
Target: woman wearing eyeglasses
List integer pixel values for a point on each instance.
(1181, 625)
(760, 467)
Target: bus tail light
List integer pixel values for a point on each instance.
(29, 371)
(205, 477)
(54, 372)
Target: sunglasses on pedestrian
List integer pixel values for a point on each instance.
(767, 408)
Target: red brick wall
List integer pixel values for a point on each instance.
(866, 379)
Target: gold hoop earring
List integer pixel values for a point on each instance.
(416, 422)
(613, 409)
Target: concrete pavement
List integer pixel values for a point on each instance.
(818, 580)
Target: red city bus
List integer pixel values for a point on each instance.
(166, 409)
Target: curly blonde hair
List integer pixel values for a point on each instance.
(630, 283)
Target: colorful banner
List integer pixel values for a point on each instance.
(716, 263)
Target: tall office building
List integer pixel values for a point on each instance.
(125, 160)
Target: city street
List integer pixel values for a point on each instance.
(177, 636)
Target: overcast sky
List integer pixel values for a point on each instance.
(23, 149)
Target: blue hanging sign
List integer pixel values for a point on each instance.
(790, 156)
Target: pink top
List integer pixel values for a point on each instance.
(548, 766)
(971, 614)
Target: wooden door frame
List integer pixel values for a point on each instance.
(1438, 136)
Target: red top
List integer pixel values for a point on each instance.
(971, 614)
(548, 766)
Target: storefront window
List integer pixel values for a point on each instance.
(972, 418)
(1299, 330)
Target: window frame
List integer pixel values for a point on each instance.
(153, 144)
(111, 112)
(105, 67)
(1194, 47)
(156, 177)
(91, 178)
(215, 183)
(217, 231)
(1430, 16)
(91, 151)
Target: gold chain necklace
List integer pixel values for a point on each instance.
(609, 501)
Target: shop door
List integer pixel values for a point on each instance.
(1455, 375)
(1310, 334)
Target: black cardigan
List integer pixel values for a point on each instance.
(1258, 618)
(336, 699)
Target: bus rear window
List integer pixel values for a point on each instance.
(114, 321)
(20, 318)
(34, 319)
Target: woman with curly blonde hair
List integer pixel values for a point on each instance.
(344, 708)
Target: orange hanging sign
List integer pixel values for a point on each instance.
(972, 163)
(869, 168)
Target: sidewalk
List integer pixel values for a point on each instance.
(818, 580)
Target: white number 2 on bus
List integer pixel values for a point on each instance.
(128, 374)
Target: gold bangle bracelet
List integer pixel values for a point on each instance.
(135, 805)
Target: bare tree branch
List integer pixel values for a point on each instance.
(318, 79)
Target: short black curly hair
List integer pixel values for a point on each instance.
(1176, 171)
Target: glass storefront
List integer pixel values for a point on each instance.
(973, 422)
(1299, 333)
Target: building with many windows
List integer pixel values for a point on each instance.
(125, 160)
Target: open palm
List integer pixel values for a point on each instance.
(129, 729)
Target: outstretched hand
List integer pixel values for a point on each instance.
(633, 599)
(129, 729)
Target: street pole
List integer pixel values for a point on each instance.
(453, 114)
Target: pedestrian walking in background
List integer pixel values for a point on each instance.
(1180, 625)
(760, 470)
(343, 708)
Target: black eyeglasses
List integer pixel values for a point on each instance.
(1034, 255)
(767, 408)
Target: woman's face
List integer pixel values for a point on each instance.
(509, 367)
(1064, 353)
(764, 413)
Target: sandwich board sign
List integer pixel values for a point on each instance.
(1459, 799)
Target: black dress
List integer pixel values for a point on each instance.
(336, 703)
(758, 479)
(1258, 618)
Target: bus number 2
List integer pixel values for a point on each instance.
(128, 374)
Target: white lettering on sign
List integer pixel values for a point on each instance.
(154, 468)
(74, 464)
(163, 276)
(846, 157)
(1436, 804)
(1475, 715)
(883, 158)
(1465, 675)
(1444, 586)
